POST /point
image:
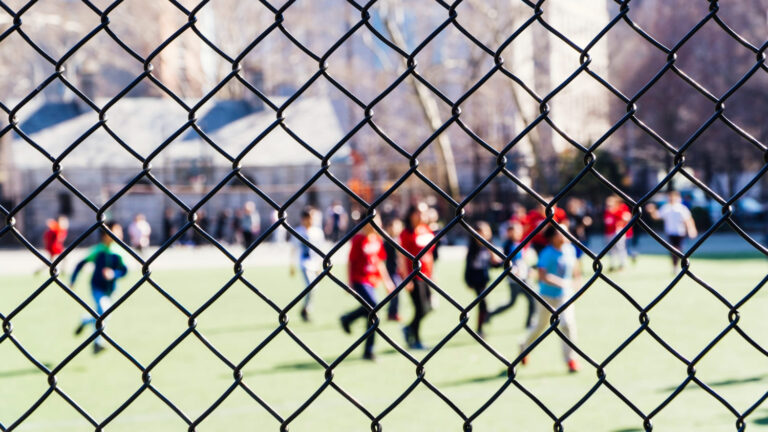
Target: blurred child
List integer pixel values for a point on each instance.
(170, 225)
(223, 225)
(309, 262)
(678, 222)
(250, 223)
(336, 220)
(108, 267)
(366, 270)
(520, 269)
(535, 217)
(394, 228)
(558, 273)
(433, 223)
(415, 237)
(138, 232)
(580, 221)
(54, 237)
(615, 218)
(476, 275)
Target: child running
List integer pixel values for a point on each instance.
(108, 268)
(535, 217)
(309, 262)
(678, 222)
(366, 269)
(615, 218)
(415, 237)
(519, 269)
(479, 261)
(394, 228)
(558, 273)
(139, 232)
(54, 237)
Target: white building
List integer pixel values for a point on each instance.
(100, 167)
(581, 108)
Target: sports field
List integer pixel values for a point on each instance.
(285, 376)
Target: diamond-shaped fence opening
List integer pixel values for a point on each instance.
(552, 187)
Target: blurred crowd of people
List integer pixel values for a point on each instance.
(530, 241)
(243, 225)
(529, 244)
(373, 262)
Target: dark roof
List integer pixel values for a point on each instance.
(222, 113)
(49, 114)
(144, 123)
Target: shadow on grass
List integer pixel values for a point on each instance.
(725, 256)
(298, 366)
(763, 421)
(354, 357)
(724, 383)
(630, 430)
(270, 327)
(313, 365)
(22, 372)
(501, 376)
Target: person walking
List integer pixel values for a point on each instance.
(250, 223)
(169, 224)
(678, 222)
(558, 274)
(367, 269)
(139, 232)
(535, 217)
(615, 218)
(336, 220)
(223, 225)
(580, 222)
(476, 271)
(54, 237)
(415, 238)
(520, 270)
(309, 263)
(393, 227)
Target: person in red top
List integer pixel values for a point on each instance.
(367, 268)
(518, 214)
(534, 218)
(414, 238)
(609, 218)
(54, 237)
(626, 214)
(615, 218)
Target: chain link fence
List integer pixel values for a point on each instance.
(368, 18)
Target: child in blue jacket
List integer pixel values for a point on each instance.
(108, 267)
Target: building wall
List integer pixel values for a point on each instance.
(543, 61)
(582, 108)
(279, 183)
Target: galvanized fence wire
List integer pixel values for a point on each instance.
(364, 23)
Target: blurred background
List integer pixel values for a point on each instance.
(324, 109)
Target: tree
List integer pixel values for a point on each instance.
(713, 59)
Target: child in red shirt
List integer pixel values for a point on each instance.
(534, 218)
(615, 218)
(414, 238)
(367, 268)
(54, 236)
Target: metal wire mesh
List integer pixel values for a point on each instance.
(363, 22)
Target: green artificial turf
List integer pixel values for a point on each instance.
(284, 376)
